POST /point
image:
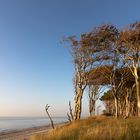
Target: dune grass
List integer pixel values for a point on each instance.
(96, 128)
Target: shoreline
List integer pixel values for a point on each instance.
(25, 134)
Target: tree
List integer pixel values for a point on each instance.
(82, 62)
(125, 85)
(105, 38)
(107, 57)
(129, 49)
(108, 100)
(93, 95)
(46, 108)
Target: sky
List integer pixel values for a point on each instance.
(35, 67)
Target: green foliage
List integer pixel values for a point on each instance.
(107, 96)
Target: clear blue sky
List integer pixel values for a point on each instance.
(35, 68)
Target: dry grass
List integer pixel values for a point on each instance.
(97, 128)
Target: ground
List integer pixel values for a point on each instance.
(96, 128)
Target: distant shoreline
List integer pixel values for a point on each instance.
(24, 133)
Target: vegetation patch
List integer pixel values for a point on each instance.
(95, 128)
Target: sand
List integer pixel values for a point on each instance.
(24, 134)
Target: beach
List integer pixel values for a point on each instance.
(19, 128)
(24, 134)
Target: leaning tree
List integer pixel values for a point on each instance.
(129, 50)
(82, 63)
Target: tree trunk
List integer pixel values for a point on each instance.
(92, 107)
(47, 107)
(78, 104)
(116, 107)
(138, 104)
(127, 104)
(120, 109)
(137, 89)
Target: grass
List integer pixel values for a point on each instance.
(96, 128)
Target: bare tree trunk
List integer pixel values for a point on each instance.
(70, 114)
(47, 107)
(94, 103)
(116, 107)
(127, 104)
(93, 95)
(132, 109)
(137, 88)
(69, 118)
(138, 98)
(78, 104)
(92, 107)
(120, 108)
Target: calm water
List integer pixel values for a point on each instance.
(19, 123)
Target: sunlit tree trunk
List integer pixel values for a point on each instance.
(78, 104)
(127, 104)
(93, 95)
(116, 107)
(135, 65)
(80, 85)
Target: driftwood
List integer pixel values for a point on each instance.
(46, 108)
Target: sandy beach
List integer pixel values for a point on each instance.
(24, 134)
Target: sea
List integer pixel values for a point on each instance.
(19, 123)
